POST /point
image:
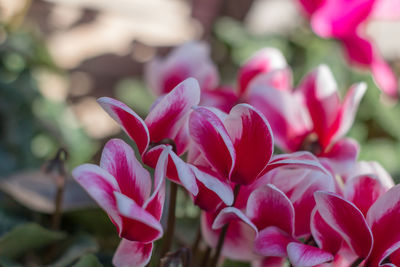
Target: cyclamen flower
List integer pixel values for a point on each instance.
(346, 21)
(312, 117)
(121, 187)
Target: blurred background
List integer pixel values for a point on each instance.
(58, 56)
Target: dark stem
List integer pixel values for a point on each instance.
(356, 262)
(169, 234)
(55, 224)
(196, 243)
(205, 257)
(222, 235)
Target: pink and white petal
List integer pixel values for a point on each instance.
(326, 238)
(301, 255)
(342, 155)
(223, 98)
(363, 191)
(375, 168)
(100, 185)
(137, 223)
(120, 161)
(321, 97)
(212, 139)
(262, 61)
(155, 203)
(346, 219)
(164, 120)
(272, 241)
(349, 109)
(269, 206)
(130, 122)
(386, 10)
(239, 238)
(214, 187)
(287, 115)
(177, 170)
(385, 78)
(229, 214)
(132, 253)
(269, 262)
(253, 142)
(384, 217)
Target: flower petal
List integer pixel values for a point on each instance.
(347, 220)
(272, 241)
(164, 120)
(130, 122)
(326, 238)
(269, 206)
(384, 217)
(155, 203)
(301, 255)
(262, 61)
(132, 253)
(228, 214)
(100, 185)
(212, 139)
(137, 223)
(212, 190)
(253, 142)
(120, 161)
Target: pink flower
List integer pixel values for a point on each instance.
(121, 187)
(312, 117)
(346, 21)
(372, 232)
(166, 121)
(189, 60)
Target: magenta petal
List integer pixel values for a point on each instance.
(301, 255)
(137, 223)
(325, 237)
(100, 185)
(155, 203)
(130, 122)
(229, 214)
(223, 98)
(384, 217)
(164, 120)
(120, 161)
(252, 138)
(262, 61)
(344, 217)
(211, 190)
(132, 253)
(384, 77)
(269, 206)
(363, 191)
(270, 262)
(212, 139)
(272, 241)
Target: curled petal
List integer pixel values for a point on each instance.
(100, 185)
(383, 217)
(229, 214)
(212, 139)
(301, 255)
(211, 190)
(272, 241)
(132, 253)
(253, 142)
(325, 237)
(268, 206)
(262, 61)
(374, 168)
(347, 220)
(164, 120)
(130, 122)
(120, 161)
(155, 203)
(137, 224)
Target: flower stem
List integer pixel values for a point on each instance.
(356, 262)
(222, 235)
(169, 234)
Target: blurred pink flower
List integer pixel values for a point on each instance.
(346, 21)
(121, 187)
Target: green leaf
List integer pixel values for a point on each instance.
(89, 260)
(27, 237)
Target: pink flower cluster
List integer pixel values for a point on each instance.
(315, 205)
